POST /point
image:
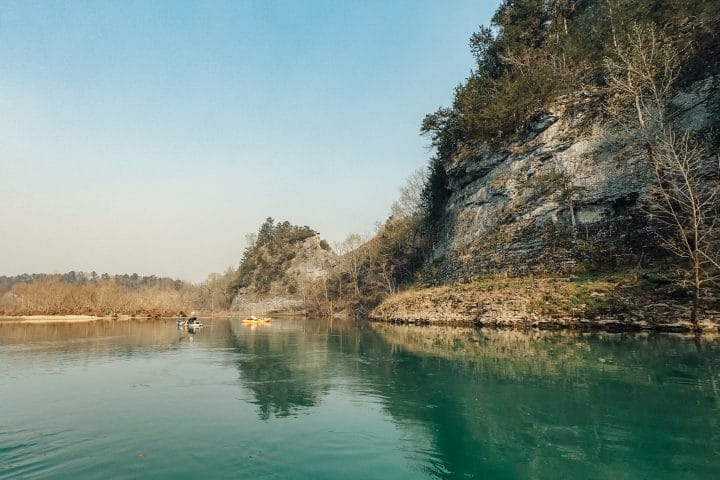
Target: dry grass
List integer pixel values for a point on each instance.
(620, 300)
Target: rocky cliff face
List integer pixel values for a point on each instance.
(566, 193)
(295, 269)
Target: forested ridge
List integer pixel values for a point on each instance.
(534, 51)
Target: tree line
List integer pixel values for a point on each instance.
(86, 293)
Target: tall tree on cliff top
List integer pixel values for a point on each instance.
(265, 234)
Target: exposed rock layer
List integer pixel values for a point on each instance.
(566, 193)
(564, 197)
(309, 263)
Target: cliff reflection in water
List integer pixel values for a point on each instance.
(502, 402)
(521, 354)
(585, 405)
(452, 403)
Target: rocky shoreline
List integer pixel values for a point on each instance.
(545, 304)
(258, 305)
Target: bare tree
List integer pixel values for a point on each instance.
(410, 201)
(352, 258)
(642, 73)
(684, 197)
(686, 200)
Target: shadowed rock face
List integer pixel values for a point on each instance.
(567, 192)
(260, 305)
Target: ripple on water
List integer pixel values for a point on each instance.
(29, 455)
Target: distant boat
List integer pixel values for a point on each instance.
(191, 322)
(194, 327)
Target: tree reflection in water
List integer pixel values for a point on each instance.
(286, 372)
(504, 404)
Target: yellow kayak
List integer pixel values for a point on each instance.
(256, 321)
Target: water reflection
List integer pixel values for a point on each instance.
(87, 341)
(504, 403)
(286, 372)
(545, 402)
(454, 403)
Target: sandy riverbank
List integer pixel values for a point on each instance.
(52, 319)
(42, 319)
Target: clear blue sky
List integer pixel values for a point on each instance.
(150, 137)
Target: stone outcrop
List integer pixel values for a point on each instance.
(564, 193)
(249, 304)
(302, 264)
(564, 197)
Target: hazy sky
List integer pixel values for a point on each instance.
(150, 137)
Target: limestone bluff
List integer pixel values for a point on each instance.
(567, 192)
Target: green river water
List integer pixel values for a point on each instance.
(314, 399)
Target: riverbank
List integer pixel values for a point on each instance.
(627, 301)
(50, 319)
(47, 319)
(40, 319)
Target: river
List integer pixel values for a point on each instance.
(318, 399)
